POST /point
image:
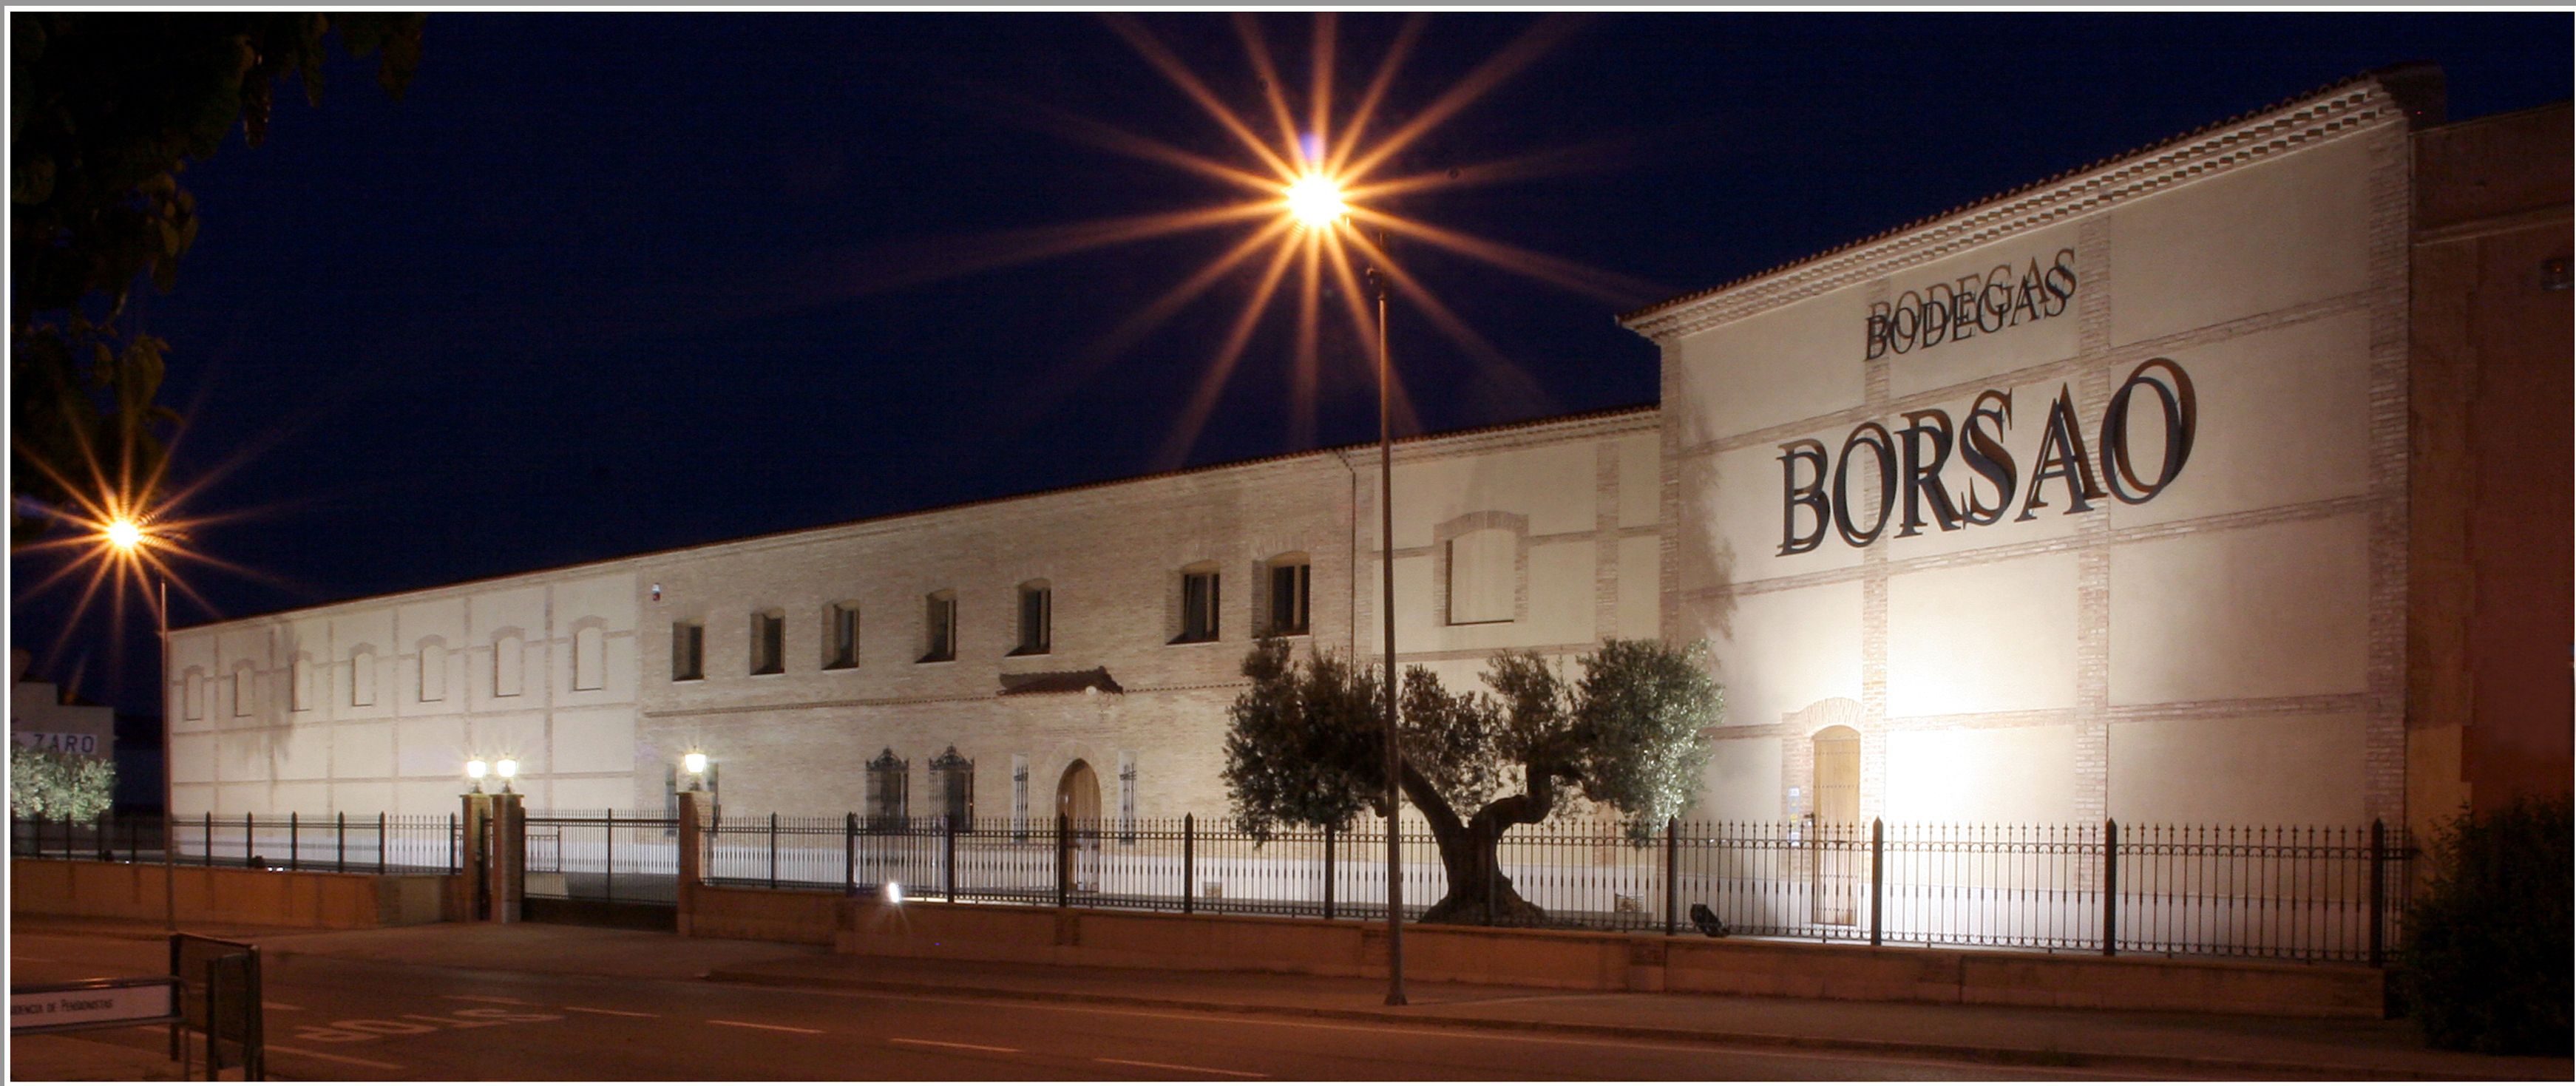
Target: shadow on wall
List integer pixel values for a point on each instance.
(1707, 574)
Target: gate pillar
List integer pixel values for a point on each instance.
(509, 858)
(475, 863)
(690, 853)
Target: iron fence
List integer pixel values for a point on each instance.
(2329, 894)
(368, 844)
(602, 856)
(2305, 894)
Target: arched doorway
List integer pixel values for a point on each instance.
(1836, 835)
(1077, 800)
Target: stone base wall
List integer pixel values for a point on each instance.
(306, 899)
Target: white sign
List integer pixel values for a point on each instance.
(96, 1003)
(66, 742)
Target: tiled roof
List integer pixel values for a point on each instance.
(1061, 682)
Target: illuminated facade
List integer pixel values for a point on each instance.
(2095, 499)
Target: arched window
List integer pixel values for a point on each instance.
(362, 676)
(192, 695)
(887, 776)
(433, 670)
(1484, 576)
(589, 658)
(954, 776)
(509, 665)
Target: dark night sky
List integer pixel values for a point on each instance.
(603, 284)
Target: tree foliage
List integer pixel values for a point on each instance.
(106, 111)
(52, 784)
(2485, 965)
(1306, 747)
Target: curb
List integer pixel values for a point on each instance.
(1990, 1054)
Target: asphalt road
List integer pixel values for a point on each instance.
(347, 1019)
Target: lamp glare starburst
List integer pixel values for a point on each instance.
(1315, 200)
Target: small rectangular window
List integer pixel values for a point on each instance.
(509, 666)
(768, 643)
(688, 651)
(840, 636)
(939, 634)
(589, 658)
(1198, 607)
(192, 696)
(243, 688)
(1037, 616)
(362, 679)
(1289, 588)
(301, 680)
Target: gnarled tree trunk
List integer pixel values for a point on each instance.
(1479, 892)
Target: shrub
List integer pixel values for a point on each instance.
(2487, 957)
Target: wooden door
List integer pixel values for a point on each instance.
(1835, 835)
(1077, 798)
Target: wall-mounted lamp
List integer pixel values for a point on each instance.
(508, 768)
(475, 769)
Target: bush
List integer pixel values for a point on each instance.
(2487, 957)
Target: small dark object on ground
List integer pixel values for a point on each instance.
(1707, 922)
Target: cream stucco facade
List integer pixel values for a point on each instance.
(2110, 626)
(326, 709)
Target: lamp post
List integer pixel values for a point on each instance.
(1316, 201)
(127, 537)
(508, 768)
(1386, 583)
(475, 769)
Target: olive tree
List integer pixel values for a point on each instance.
(1306, 747)
(51, 784)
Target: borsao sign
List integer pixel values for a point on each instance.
(1971, 305)
(1817, 492)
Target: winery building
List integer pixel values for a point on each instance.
(2226, 481)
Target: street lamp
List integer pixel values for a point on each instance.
(475, 769)
(1316, 201)
(694, 763)
(508, 768)
(127, 537)
(1386, 582)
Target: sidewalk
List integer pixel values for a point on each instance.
(2182, 1044)
(2224, 1046)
